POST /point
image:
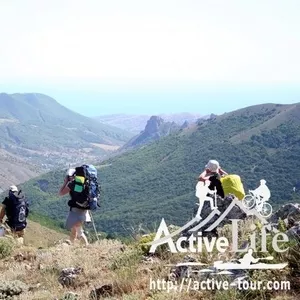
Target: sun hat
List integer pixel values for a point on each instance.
(13, 188)
(70, 172)
(213, 166)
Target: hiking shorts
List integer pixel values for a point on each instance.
(76, 216)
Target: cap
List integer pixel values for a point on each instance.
(71, 172)
(213, 165)
(13, 188)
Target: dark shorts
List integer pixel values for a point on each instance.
(76, 216)
(215, 183)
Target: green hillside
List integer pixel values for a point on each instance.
(41, 110)
(38, 128)
(159, 180)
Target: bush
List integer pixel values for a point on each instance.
(11, 288)
(6, 247)
(162, 251)
(127, 259)
(142, 244)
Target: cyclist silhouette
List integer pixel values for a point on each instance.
(262, 192)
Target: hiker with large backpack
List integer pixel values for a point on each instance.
(16, 209)
(224, 183)
(82, 185)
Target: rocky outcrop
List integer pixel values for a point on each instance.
(155, 129)
(153, 125)
(105, 291)
(287, 211)
(228, 207)
(185, 125)
(289, 214)
(69, 276)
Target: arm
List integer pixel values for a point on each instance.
(222, 172)
(203, 176)
(64, 189)
(2, 213)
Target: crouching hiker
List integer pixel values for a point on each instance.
(15, 208)
(213, 173)
(81, 184)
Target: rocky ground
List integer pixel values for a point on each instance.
(109, 269)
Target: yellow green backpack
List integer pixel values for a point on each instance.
(232, 184)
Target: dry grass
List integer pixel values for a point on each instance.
(111, 262)
(40, 236)
(41, 267)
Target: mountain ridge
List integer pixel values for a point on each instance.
(158, 180)
(26, 107)
(137, 123)
(41, 132)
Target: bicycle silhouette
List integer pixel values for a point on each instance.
(258, 199)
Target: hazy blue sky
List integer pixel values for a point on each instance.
(138, 56)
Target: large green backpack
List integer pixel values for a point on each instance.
(86, 190)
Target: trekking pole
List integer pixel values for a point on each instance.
(215, 198)
(94, 226)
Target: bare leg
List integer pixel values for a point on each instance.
(81, 235)
(73, 235)
(84, 239)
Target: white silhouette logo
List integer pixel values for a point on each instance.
(253, 204)
(259, 198)
(248, 262)
(203, 193)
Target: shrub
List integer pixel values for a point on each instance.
(6, 247)
(127, 259)
(11, 288)
(142, 243)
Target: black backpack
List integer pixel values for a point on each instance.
(17, 211)
(215, 182)
(85, 190)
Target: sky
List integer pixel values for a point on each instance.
(159, 56)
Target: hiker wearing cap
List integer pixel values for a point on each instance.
(213, 172)
(212, 168)
(15, 208)
(77, 214)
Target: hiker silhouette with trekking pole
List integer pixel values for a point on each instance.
(203, 193)
(209, 186)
